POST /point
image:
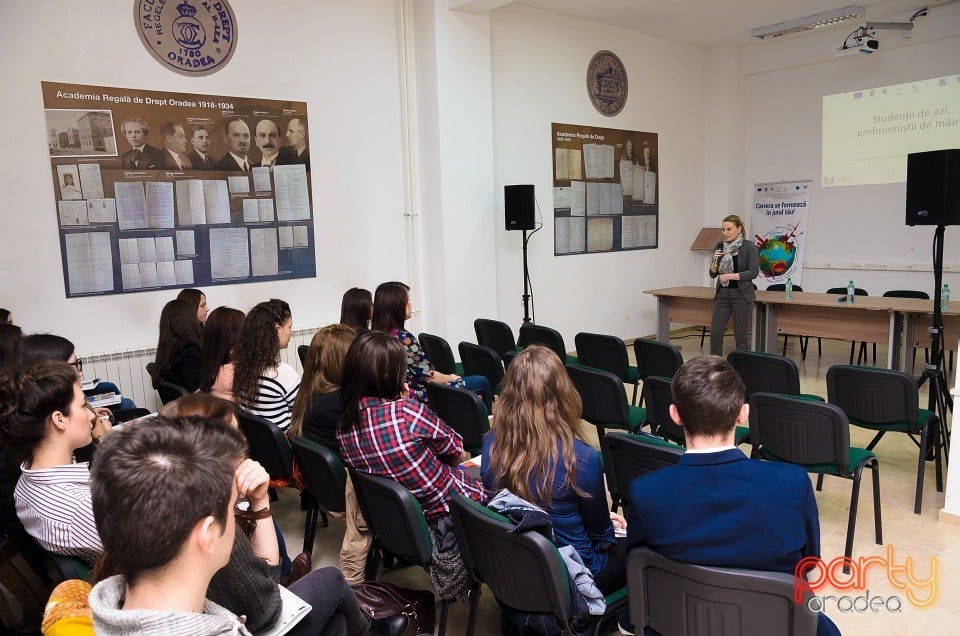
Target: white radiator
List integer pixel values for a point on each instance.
(128, 369)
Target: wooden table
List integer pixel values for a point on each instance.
(869, 319)
(690, 305)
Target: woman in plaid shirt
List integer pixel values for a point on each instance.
(383, 432)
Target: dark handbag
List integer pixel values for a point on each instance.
(378, 599)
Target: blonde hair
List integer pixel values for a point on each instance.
(322, 368)
(735, 219)
(538, 407)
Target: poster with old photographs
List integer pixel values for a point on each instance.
(160, 190)
(605, 190)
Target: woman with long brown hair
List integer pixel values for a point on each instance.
(318, 406)
(262, 383)
(178, 346)
(219, 338)
(536, 451)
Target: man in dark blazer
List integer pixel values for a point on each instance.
(297, 151)
(200, 155)
(141, 156)
(236, 134)
(717, 507)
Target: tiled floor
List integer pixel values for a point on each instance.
(920, 538)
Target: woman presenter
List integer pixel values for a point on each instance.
(734, 266)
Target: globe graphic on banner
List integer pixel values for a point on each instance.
(776, 255)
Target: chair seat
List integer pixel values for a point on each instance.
(741, 435)
(924, 417)
(654, 441)
(810, 396)
(857, 457)
(637, 416)
(571, 359)
(616, 596)
(633, 374)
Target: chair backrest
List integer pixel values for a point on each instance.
(395, 516)
(658, 396)
(627, 456)
(843, 290)
(873, 396)
(799, 431)
(906, 293)
(495, 335)
(679, 598)
(523, 570)
(600, 351)
(439, 352)
(302, 351)
(461, 410)
(531, 334)
(69, 567)
(481, 360)
(325, 474)
(601, 392)
(267, 444)
(656, 358)
(766, 372)
(783, 287)
(168, 391)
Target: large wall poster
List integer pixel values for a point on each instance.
(779, 228)
(605, 189)
(166, 190)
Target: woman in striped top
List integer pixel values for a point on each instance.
(44, 418)
(262, 383)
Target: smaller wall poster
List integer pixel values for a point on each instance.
(779, 226)
(605, 189)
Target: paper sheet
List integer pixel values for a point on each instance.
(131, 205)
(650, 188)
(626, 177)
(251, 210)
(569, 235)
(190, 202)
(159, 204)
(261, 179)
(578, 198)
(638, 231)
(293, 201)
(184, 271)
(129, 252)
(239, 184)
(165, 249)
(186, 243)
(216, 201)
(90, 180)
(147, 248)
(148, 274)
(561, 198)
(266, 209)
(102, 210)
(263, 251)
(600, 235)
(286, 236)
(300, 236)
(229, 252)
(166, 274)
(130, 275)
(89, 262)
(72, 212)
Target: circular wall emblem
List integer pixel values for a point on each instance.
(194, 37)
(607, 83)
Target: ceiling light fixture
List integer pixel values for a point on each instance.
(826, 18)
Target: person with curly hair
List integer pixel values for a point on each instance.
(262, 383)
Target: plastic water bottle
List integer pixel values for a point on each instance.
(788, 291)
(850, 292)
(945, 298)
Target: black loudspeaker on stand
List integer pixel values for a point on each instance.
(933, 198)
(518, 208)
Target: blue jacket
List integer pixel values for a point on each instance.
(583, 523)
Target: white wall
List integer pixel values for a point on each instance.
(339, 57)
(539, 69)
(785, 84)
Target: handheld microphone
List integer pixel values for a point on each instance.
(716, 259)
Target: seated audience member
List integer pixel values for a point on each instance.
(199, 301)
(178, 347)
(356, 309)
(46, 346)
(163, 496)
(382, 432)
(6, 317)
(537, 452)
(262, 384)
(315, 416)
(391, 309)
(247, 584)
(716, 506)
(10, 336)
(44, 418)
(219, 338)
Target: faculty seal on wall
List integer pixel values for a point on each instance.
(607, 83)
(195, 37)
